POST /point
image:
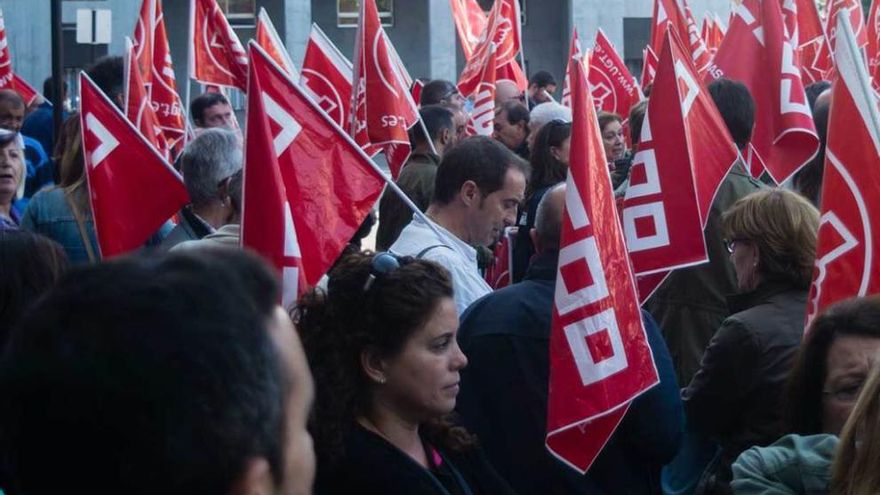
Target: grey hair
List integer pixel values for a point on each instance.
(235, 189)
(548, 220)
(208, 160)
(547, 111)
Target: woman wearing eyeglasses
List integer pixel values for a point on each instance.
(831, 368)
(381, 342)
(735, 396)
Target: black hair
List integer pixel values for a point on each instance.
(542, 79)
(145, 375)
(31, 265)
(737, 108)
(436, 91)
(636, 119)
(203, 102)
(480, 159)
(815, 89)
(546, 169)
(11, 96)
(516, 112)
(49, 89)
(808, 180)
(108, 74)
(437, 118)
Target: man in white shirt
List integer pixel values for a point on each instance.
(478, 187)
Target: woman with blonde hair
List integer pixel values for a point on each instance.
(734, 397)
(855, 469)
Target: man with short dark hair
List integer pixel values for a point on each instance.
(108, 73)
(212, 110)
(174, 374)
(503, 398)
(512, 127)
(441, 92)
(542, 85)
(40, 123)
(416, 179)
(478, 186)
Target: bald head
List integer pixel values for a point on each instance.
(11, 110)
(505, 91)
(548, 220)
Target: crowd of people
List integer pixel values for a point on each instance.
(175, 370)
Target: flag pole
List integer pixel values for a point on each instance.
(189, 72)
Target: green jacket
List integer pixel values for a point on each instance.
(691, 303)
(793, 465)
(417, 181)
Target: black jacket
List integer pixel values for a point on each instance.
(735, 396)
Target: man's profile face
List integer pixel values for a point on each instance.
(497, 210)
(11, 116)
(510, 135)
(218, 115)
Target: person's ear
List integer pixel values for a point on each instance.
(255, 479)
(373, 365)
(555, 152)
(445, 137)
(469, 193)
(223, 189)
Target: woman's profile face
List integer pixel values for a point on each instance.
(563, 151)
(422, 380)
(612, 138)
(848, 363)
(11, 171)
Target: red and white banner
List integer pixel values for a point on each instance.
(757, 51)
(613, 88)
(649, 66)
(384, 110)
(712, 33)
(676, 16)
(498, 273)
(847, 250)
(307, 186)
(267, 37)
(599, 354)
(856, 17)
(575, 56)
(482, 118)
(216, 54)
(873, 48)
(138, 109)
(132, 189)
(326, 75)
(470, 23)
(8, 78)
(502, 29)
(810, 40)
(416, 91)
(153, 57)
(684, 153)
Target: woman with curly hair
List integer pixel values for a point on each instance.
(381, 341)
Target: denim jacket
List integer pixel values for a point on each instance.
(49, 214)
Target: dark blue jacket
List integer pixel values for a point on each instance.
(503, 397)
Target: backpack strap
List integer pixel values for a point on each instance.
(425, 251)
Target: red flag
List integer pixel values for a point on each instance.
(470, 22)
(416, 91)
(847, 250)
(267, 37)
(8, 79)
(873, 48)
(676, 16)
(503, 29)
(613, 88)
(856, 17)
(498, 273)
(599, 355)
(575, 57)
(137, 106)
(684, 153)
(384, 110)
(512, 72)
(153, 58)
(132, 189)
(813, 52)
(296, 154)
(326, 76)
(712, 33)
(757, 51)
(649, 66)
(482, 118)
(216, 54)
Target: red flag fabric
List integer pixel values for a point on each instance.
(649, 66)
(138, 109)
(132, 189)
(675, 15)
(482, 118)
(153, 57)
(498, 273)
(847, 249)
(813, 52)
(684, 153)
(873, 48)
(613, 88)
(575, 57)
(757, 51)
(267, 37)
(384, 110)
(416, 91)
(856, 17)
(8, 78)
(512, 72)
(599, 355)
(502, 29)
(296, 154)
(216, 54)
(470, 23)
(712, 33)
(326, 75)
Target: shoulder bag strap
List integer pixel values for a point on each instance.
(81, 224)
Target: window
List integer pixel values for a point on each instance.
(347, 12)
(238, 9)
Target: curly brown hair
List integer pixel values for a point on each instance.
(338, 324)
